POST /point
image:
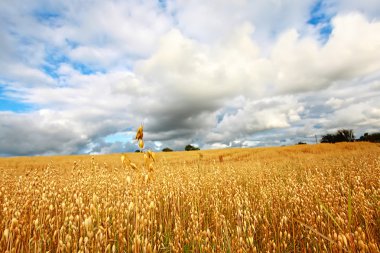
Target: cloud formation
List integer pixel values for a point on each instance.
(216, 74)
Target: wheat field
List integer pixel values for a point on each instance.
(305, 198)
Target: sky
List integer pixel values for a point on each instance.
(80, 76)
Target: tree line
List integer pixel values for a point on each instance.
(347, 135)
(187, 148)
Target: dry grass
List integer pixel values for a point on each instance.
(319, 198)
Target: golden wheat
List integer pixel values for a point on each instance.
(320, 198)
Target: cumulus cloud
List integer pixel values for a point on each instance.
(256, 116)
(216, 74)
(302, 64)
(370, 8)
(212, 21)
(38, 133)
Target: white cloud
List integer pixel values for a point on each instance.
(216, 145)
(256, 116)
(128, 28)
(303, 64)
(94, 56)
(363, 114)
(216, 73)
(212, 21)
(335, 102)
(370, 8)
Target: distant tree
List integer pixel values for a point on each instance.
(190, 148)
(345, 135)
(167, 149)
(137, 151)
(364, 137)
(328, 138)
(301, 143)
(374, 137)
(342, 135)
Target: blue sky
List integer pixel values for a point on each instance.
(321, 19)
(80, 76)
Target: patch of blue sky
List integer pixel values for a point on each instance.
(321, 19)
(54, 59)
(48, 17)
(158, 144)
(219, 118)
(72, 44)
(85, 69)
(9, 104)
(119, 137)
(227, 111)
(50, 70)
(162, 4)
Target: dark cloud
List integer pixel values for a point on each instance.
(31, 135)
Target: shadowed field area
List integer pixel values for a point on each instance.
(305, 198)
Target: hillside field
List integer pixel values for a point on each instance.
(304, 198)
